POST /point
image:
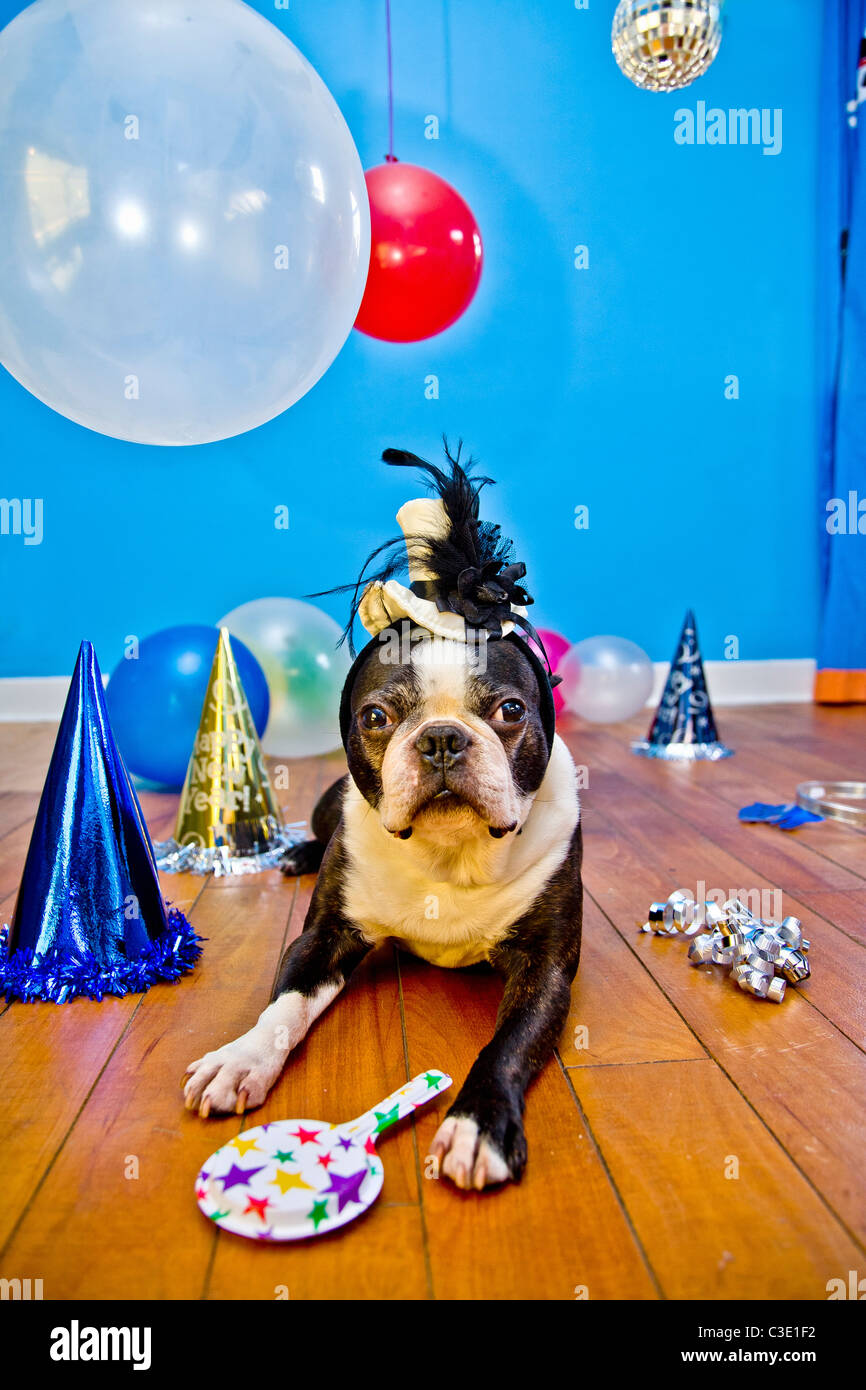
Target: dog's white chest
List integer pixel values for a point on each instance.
(444, 924)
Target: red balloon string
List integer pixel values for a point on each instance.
(390, 156)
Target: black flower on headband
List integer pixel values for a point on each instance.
(483, 595)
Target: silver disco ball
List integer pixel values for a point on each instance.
(663, 45)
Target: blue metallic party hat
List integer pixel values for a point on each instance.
(90, 918)
(684, 728)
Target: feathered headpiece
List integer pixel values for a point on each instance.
(462, 575)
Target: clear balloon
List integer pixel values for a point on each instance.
(296, 645)
(184, 223)
(606, 679)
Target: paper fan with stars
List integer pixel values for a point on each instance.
(296, 1178)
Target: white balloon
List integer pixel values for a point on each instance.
(184, 224)
(295, 644)
(605, 679)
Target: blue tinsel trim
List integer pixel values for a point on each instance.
(57, 976)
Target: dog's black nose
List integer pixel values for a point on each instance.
(442, 743)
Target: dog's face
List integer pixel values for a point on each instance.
(443, 744)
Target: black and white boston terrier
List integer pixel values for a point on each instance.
(455, 834)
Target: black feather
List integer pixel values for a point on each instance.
(469, 545)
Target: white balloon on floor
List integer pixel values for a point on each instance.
(605, 679)
(184, 224)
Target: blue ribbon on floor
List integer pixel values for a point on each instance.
(785, 817)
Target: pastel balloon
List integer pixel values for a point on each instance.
(184, 227)
(556, 646)
(296, 645)
(426, 254)
(155, 698)
(606, 679)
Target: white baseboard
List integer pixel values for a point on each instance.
(32, 699)
(744, 682)
(37, 699)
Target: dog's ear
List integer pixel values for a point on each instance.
(374, 643)
(348, 687)
(546, 707)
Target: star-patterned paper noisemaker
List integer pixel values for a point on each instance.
(228, 821)
(296, 1178)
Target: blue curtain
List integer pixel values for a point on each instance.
(842, 648)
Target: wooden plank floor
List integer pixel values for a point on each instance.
(686, 1141)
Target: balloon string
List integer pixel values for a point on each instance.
(390, 156)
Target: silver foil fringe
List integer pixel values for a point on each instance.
(224, 859)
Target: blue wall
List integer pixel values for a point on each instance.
(603, 386)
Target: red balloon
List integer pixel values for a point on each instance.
(425, 256)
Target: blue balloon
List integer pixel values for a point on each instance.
(155, 701)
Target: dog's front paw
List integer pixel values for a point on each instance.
(236, 1077)
(301, 859)
(480, 1154)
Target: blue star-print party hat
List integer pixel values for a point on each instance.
(90, 918)
(684, 727)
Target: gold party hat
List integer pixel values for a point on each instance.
(228, 819)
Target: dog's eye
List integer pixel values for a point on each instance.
(374, 717)
(509, 712)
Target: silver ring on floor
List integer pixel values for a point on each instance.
(819, 798)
